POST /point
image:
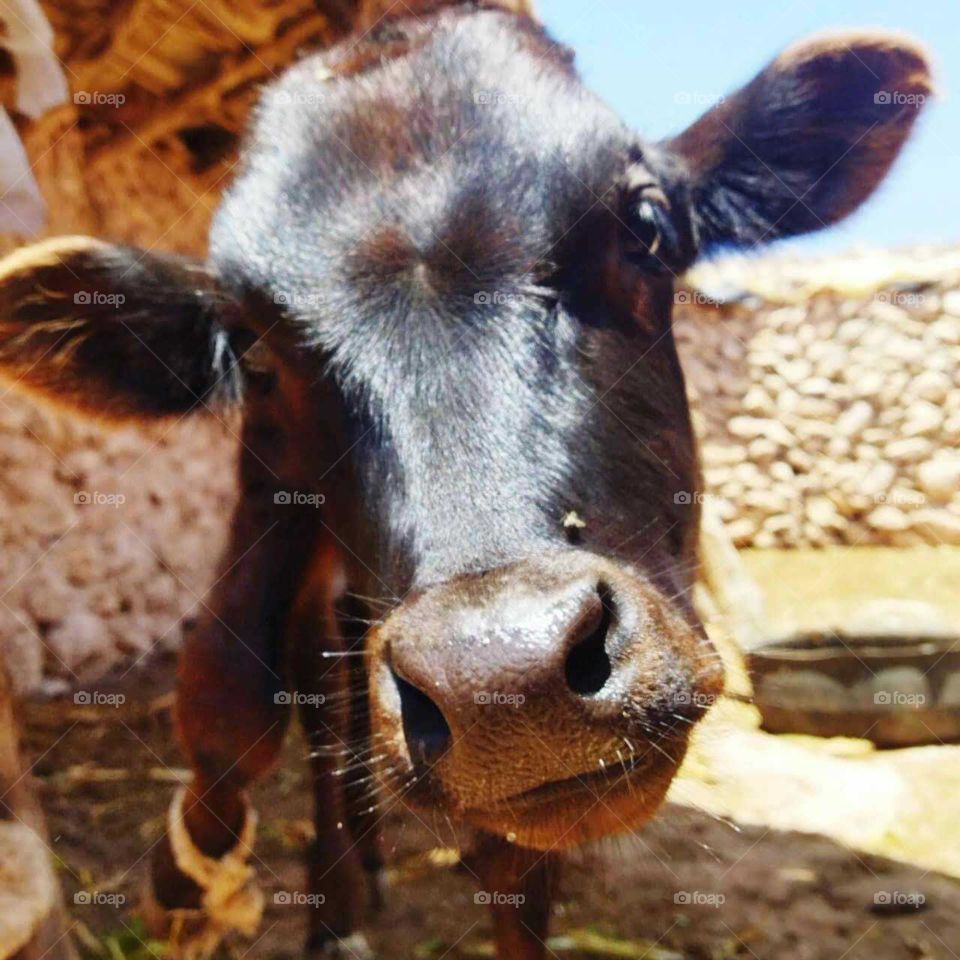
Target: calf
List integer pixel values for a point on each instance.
(440, 289)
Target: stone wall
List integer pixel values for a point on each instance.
(827, 397)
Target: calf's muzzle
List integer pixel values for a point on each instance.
(549, 701)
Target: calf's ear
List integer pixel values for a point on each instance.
(805, 142)
(115, 332)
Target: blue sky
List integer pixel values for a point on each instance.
(659, 63)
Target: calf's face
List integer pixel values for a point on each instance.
(441, 285)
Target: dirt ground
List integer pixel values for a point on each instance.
(687, 886)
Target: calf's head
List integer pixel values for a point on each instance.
(440, 285)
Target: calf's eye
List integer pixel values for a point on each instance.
(644, 229)
(254, 358)
(647, 234)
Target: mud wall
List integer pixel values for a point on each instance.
(108, 540)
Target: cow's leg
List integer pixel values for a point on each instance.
(519, 885)
(231, 716)
(320, 655)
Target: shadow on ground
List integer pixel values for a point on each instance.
(686, 886)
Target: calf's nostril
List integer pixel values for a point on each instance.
(588, 665)
(424, 726)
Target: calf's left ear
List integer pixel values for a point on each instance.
(115, 332)
(805, 142)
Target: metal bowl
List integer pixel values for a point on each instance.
(897, 691)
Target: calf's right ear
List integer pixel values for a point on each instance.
(806, 141)
(115, 332)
